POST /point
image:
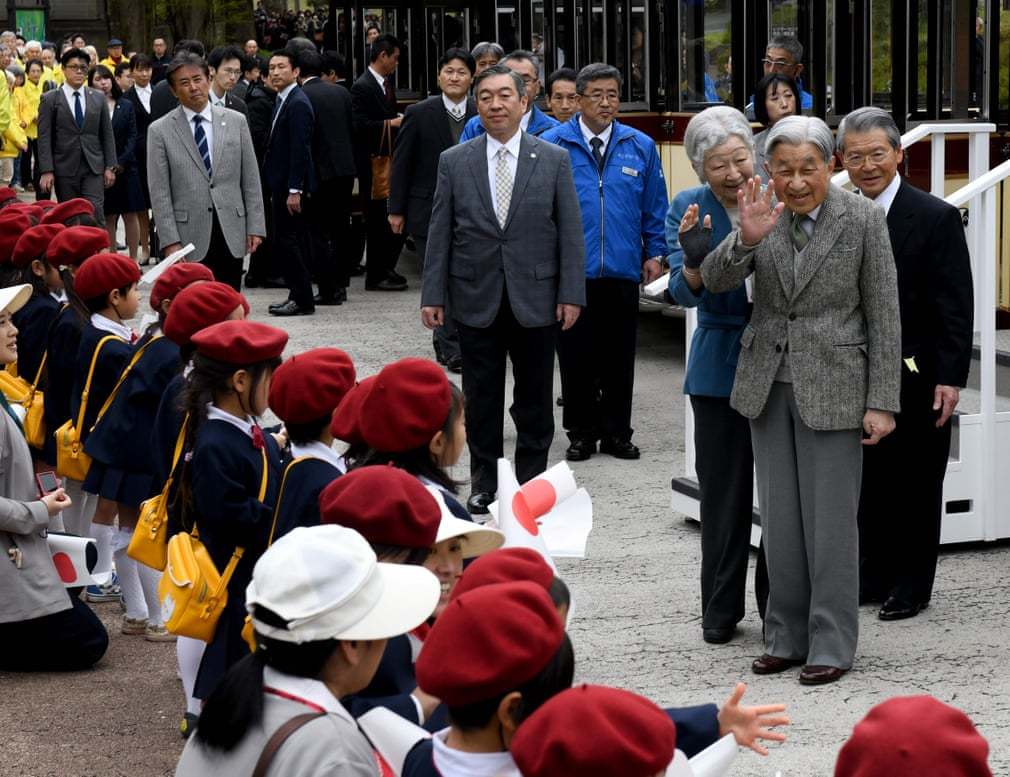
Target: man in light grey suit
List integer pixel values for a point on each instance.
(204, 177)
(505, 254)
(819, 364)
(77, 149)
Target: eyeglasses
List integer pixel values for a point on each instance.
(858, 160)
(778, 64)
(77, 68)
(231, 71)
(597, 98)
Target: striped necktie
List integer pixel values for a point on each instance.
(201, 142)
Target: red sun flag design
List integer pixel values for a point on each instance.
(64, 567)
(533, 500)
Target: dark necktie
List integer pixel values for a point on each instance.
(201, 142)
(390, 92)
(597, 145)
(78, 110)
(798, 234)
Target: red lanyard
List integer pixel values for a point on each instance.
(291, 697)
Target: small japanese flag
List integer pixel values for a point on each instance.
(74, 557)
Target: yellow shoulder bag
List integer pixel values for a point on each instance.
(193, 593)
(149, 544)
(15, 389)
(71, 460)
(35, 419)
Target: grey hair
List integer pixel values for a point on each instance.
(487, 47)
(866, 120)
(787, 43)
(713, 127)
(500, 70)
(596, 71)
(520, 55)
(797, 130)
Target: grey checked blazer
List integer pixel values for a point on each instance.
(839, 315)
(184, 197)
(539, 257)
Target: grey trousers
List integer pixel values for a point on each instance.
(85, 184)
(808, 491)
(445, 338)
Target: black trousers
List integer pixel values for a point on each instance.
(66, 641)
(484, 351)
(725, 467)
(291, 248)
(329, 215)
(226, 267)
(261, 264)
(30, 168)
(901, 503)
(383, 247)
(597, 359)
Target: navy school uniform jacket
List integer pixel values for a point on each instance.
(111, 362)
(165, 431)
(303, 480)
(63, 341)
(33, 322)
(123, 437)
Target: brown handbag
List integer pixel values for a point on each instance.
(382, 164)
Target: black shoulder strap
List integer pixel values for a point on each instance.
(279, 737)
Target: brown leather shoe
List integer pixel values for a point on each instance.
(773, 664)
(820, 675)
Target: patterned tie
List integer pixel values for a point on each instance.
(201, 142)
(597, 145)
(502, 187)
(799, 235)
(78, 110)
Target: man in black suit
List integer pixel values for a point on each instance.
(329, 209)
(160, 60)
(375, 117)
(287, 170)
(901, 505)
(163, 100)
(429, 128)
(334, 68)
(141, 70)
(225, 64)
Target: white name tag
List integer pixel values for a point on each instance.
(630, 171)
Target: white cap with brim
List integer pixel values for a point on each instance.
(324, 582)
(479, 539)
(13, 298)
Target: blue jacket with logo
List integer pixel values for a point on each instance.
(540, 122)
(624, 207)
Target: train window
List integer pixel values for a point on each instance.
(705, 45)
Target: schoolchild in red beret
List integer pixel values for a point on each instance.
(175, 279)
(77, 212)
(33, 243)
(303, 394)
(509, 565)
(46, 205)
(914, 736)
(7, 196)
(33, 211)
(592, 731)
(199, 306)
(344, 425)
(75, 244)
(13, 224)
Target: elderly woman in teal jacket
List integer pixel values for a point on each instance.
(720, 145)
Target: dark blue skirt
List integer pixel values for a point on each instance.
(119, 485)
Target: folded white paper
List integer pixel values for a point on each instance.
(658, 286)
(176, 256)
(392, 736)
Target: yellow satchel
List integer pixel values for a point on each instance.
(149, 544)
(15, 389)
(35, 418)
(193, 593)
(71, 460)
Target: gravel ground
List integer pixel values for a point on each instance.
(637, 621)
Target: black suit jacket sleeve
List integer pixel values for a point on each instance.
(370, 111)
(950, 289)
(236, 103)
(108, 138)
(301, 127)
(403, 156)
(126, 150)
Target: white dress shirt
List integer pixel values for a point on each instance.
(588, 135)
(511, 158)
(218, 101)
(456, 110)
(380, 78)
(207, 124)
(318, 450)
(144, 93)
(524, 122)
(116, 328)
(246, 424)
(456, 763)
(69, 94)
(886, 198)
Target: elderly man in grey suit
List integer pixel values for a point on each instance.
(819, 366)
(505, 254)
(204, 177)
(77, 150)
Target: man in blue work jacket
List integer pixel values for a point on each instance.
(622, 194)
(534, 121)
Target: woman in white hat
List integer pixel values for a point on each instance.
(41, 627)
(322, 607)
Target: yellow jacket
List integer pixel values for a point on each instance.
(108, 62)
(26, 107)
(55, 75)
(5, 106)
(14, 141)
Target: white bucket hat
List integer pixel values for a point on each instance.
(325, 583)
(479, 539)
(13, 298)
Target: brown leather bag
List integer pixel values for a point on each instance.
(382, 164)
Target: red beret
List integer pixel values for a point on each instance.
(13, 224)
(344, 425)
(33, 243)
(67, 210)
(914, 735)
(7, 194)
(176, 278)
(407, 404)
(594, 731)
(506, 565)
(102, 273)
(489, 641)
(34, 212)
(46, 205)
(240, 342)
(308, 386)
(75, 244)
(199, 306)
(385, 505)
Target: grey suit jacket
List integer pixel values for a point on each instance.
(184, 197)
(838, 315)
(538, 258)
(63, 146)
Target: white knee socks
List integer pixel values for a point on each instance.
(189, 652)
(129, 582)
(103, 536)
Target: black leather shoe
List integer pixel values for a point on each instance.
(620, 449)
(275, 305)
(896, 609)
(580, 450)
(319, 299)
(820, 675)
(291, 308)
(768, 664)
(454, 364)
(718, 636)
(395, 277)
(340, 295)
(478, 502)
(385, 285)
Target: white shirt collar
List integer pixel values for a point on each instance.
(206, 113)
(380, 78)
(456, 109)
(886, 198)
(310, 690)
(812, 215)
(524, 122)
(143, 89)
(456, 763)
(511, 145)
(588, 134)
(69, 92)
(287, 90)
(321, 451)
(99, 321)
(215, 413)
(215, 99)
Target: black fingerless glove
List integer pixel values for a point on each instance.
(696, 243)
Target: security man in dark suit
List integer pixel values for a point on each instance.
(429, 128)
(901, 505)
(333, 155)
(374, 101)
(225, 63)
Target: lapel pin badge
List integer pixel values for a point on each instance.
(532, 155)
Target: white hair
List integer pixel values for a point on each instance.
(713, 127)
(33, 44)
(866, 120)
(797, 130)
